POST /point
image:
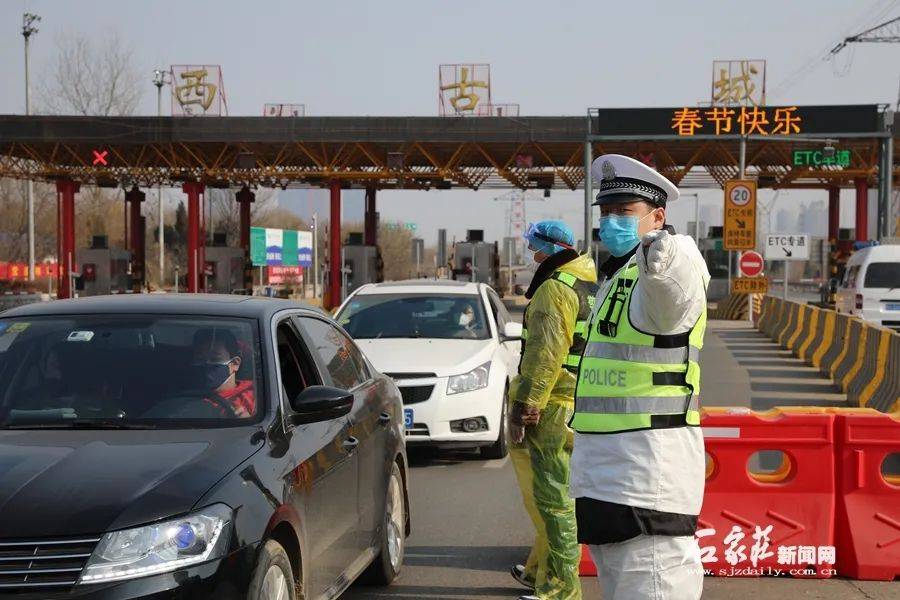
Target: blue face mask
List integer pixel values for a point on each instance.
(619, 233)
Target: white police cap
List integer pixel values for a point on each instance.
(624, 179)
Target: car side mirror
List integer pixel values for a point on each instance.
(512, 332)
(320, 403)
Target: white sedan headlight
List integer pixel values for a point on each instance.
(159, 548)
(475, 379)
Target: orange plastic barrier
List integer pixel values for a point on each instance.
(867, 526)
(586, 567)
(776, 523)
(832, 506)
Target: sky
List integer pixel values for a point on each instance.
(358, 57)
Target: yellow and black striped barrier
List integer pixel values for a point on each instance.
(734, 307)
(863, 359)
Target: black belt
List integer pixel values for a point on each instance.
(601, 522)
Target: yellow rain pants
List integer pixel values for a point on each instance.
(541, 461)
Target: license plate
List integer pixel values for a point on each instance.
(893, 306)
(408, 418)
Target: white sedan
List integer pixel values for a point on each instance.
(452, 348)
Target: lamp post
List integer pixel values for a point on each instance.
(29, 29)
(161, 78)
(315, 232)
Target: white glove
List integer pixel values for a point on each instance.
(657, 250)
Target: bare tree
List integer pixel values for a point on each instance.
(90, 77)
(85, 77)
(396, 243)
(14, 223)
(224, 212)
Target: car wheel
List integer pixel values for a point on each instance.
(273, 578)
(386, 566)
(498, 449)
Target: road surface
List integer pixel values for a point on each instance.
(469, 527)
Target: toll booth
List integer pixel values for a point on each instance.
(103, 270)
(223, 268)
(361, 264)
(476, 260)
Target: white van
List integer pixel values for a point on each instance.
(871, 286)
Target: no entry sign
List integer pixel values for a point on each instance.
(751, 264)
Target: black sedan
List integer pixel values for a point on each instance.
(194, 447)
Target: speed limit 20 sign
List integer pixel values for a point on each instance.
(739, 232)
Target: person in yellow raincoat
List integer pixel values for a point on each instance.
(541, 401)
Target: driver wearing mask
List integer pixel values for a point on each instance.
(218, 357)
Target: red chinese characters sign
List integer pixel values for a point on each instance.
(278, 275)
(723, 120)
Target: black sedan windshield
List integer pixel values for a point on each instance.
(124, 371)
(415, 316)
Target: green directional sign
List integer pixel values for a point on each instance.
(280, 247)
(408, 225)
(258, 246)
(817, 158)
(289, 257)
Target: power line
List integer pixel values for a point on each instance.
(868, 17)
(887, 32)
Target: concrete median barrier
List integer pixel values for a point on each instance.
(810, 327)
(861, 358)
(824, 338)
(735, 307)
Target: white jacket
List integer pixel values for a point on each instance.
(658, 469)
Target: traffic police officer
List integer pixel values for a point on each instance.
(561, 295)
(638, 461)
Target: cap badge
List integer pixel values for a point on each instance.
(608, 170)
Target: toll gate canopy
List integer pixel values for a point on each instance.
(695, 147)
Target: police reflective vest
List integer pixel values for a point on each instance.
(629, 380)
(586, 292)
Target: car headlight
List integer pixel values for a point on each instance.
(160, 547)
(475, 379)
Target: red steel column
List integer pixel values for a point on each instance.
(133, 200)
(334, 252)
(371, 218)
(195, 240)
(834, 212)
(862, 209)
(65, 235)
(244, 198)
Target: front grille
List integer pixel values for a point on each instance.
(895, 325)
(52, 564)
(416, 393)
(399, 376)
